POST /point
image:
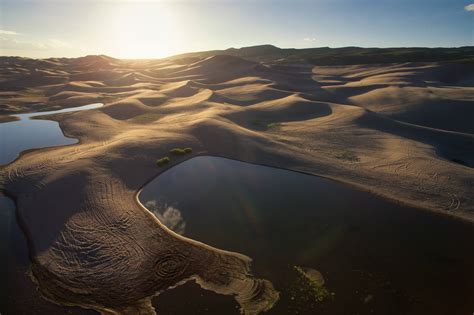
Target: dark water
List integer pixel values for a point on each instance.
(18, 293)
(24, 134)
(377, 257)
(14, 261)
(11, 255)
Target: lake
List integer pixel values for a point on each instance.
(326, 247)
(26, 133)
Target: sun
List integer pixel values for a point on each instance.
(147, 30)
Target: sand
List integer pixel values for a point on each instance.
(8, 118)
(402, 131)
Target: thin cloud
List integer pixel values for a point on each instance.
(19, 44)
(8, 42)
(469, 7)
(11, 33)
(15, 40)
(309, 39)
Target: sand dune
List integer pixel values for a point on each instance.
(400, 130)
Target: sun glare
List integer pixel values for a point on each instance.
(145, 31)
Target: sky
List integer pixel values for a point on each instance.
(154, 29)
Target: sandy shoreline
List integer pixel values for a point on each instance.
(96, 246)
(8, 119)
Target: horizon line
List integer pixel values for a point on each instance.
(243, 47)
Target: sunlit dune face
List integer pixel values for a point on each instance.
(145, 30)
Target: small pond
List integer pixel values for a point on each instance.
(376, 256)
(26, 133)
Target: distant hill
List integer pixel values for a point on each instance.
(272, 54)
(344, 55)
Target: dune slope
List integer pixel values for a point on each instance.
(402, 131)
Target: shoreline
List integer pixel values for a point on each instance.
(359, 187)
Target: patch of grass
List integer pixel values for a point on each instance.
(348, 156)
(145, 118)
(163, 161)
(273, 125)
(264, 124)
(181, 151)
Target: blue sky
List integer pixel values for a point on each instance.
(145, 29)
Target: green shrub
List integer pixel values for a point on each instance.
(177, 151)
(181, 151)
(163, 161)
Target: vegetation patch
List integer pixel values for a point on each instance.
(273, 125)
(310, 289)
(145, 118)
(264, 124)
(348, 156)
(181, 151)
(163, 161)
(175, 151)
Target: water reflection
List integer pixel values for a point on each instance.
(24, 134)
(375, 256)
(169, 216)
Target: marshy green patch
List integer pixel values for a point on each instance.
(163, 161)
(348, 156)
(309, 286)
(145, 118)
